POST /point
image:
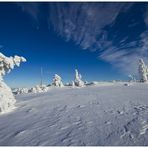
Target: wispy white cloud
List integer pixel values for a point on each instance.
(86, 23)
(83, 22)
(32, 8)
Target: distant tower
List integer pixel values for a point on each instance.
(41, 77)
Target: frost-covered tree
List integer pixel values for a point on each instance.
(36, 89)
(132, 78)
(44, 88)
(7, 100)
(78, 82)
(57, 81)
(143, 71)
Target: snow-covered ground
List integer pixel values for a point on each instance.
(105, 114)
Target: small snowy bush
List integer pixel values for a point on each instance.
(7, 100)
(20, 91)
(39, 89)
(44, 88)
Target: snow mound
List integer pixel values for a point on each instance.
(35, 89)
(39, 89)
(18, 91)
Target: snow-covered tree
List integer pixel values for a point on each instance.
(78, 82)
(143, 71)
(7, 100)
(57, 81)
(132, 78)
(36, 89)
(44, 88)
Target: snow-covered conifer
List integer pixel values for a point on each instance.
(132, 78)
(7, 100)
(57, 81)
(78, 82)
(143, 71)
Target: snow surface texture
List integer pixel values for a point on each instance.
(102, 114)
(7, 99)
(78, 82)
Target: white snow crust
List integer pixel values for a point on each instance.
(106, 114)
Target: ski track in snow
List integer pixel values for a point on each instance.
(94, 115)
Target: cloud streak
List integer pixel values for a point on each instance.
(107, 28)
(31, 8)
(83, 22)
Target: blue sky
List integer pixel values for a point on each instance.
(102, 40)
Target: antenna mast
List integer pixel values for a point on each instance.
(41, 76)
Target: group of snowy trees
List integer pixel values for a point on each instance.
(143, 76)
(7, 99)
(35, 89)
(57, 81)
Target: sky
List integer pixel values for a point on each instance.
(102, 40)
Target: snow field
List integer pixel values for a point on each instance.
(94, 115)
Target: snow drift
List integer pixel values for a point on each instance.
(38, 89)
